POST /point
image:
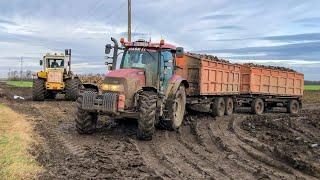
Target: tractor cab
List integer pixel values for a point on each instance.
(56, 61)
(154, 63)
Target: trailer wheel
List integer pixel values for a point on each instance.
(38, 90)
(147, 119)
(229, 106)
(257, 106)
(85, 121)
(219, 107)
(293, 107)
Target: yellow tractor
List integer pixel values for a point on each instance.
(56, 78)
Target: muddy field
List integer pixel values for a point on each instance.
(244, 146)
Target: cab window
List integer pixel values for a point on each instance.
(55, 63)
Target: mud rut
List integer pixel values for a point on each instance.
(205, 147)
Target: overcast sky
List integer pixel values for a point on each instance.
(275, 32)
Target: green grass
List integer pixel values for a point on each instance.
(26, 84)
(312, 87)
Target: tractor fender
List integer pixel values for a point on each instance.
(174, 84)
(42, 74)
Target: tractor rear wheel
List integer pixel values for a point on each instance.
(257, 106)
(176, 110)
(72, 89)
(38, 90)
(219, 107)
(293, 107)
(85, 121)
(229, 106)
(147, 119)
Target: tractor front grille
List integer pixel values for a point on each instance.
(106, 102)
(55, 76)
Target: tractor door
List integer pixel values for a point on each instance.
(167, 67)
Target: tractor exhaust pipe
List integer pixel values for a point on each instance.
(115, 53)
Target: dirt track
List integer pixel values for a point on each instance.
(244, 146)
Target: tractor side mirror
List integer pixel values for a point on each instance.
(41, 62)
(69, 63)
(179, 52)
(108, 49)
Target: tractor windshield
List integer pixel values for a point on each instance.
(140, 58)
(55, 63)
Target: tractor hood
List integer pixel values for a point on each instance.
(131, 79)
(126, 73)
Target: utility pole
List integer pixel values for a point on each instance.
(129, 20)
(21, 61)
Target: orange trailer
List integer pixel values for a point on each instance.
(264, 88)
(210, 81)
(257, 80)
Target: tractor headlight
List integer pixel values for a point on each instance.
(112, 87)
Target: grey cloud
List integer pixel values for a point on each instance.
(308, 20)
(306, 51)
(3, 21)
(230, 27)
(217, 17)
(282, 38)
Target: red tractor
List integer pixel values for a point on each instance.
(145, 87)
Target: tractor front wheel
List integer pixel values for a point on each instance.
(72, 89)
(147, 119)
(38, 90)
(85, 121)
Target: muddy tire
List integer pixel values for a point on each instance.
(72, 89)
(257, 106)
(147, 119)
(229, 106)
(293, 107)
(176, 110)
(85, 121)
(219, 107)
(38, 90)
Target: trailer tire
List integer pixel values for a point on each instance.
(85, 121)
(257, 106)
(38, 90)
(219, 107)
(229, 106)
(293, 107)
(176, 110)
(147, 119)
(72, 89)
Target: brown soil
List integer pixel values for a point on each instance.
(243, 146)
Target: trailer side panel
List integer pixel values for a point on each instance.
(256, 80)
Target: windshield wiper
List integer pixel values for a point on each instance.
(149, 53)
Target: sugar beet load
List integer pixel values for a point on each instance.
(156, 81)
